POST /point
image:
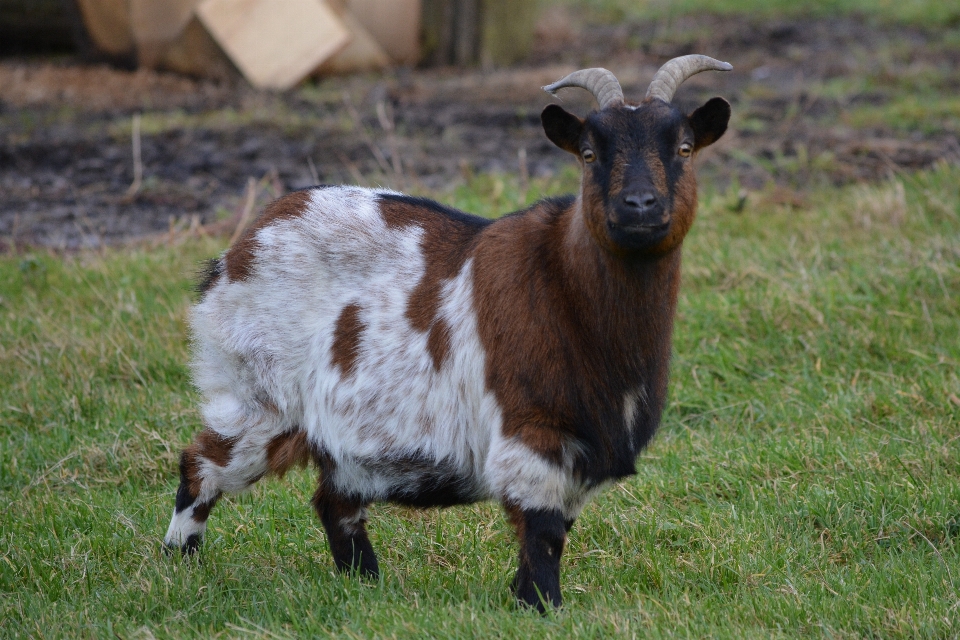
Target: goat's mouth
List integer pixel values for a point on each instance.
(637, 235)
(638, 227)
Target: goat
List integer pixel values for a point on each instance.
(427, 357)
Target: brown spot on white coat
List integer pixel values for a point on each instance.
(240, 257)
(346, 339)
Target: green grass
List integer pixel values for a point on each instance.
(905, 113)
(915, 12)
(806, 480)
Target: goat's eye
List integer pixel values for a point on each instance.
(588, 155)
(685, 150)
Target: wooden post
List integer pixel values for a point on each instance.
(469, 32)
(507, 31)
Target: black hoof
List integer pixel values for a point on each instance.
(365, 569)
(188, 548)
(530, 596)
(192, 545)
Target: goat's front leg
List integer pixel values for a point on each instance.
(542, 534)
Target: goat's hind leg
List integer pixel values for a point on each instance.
(344, 519)
(216, 464)
(198, 491)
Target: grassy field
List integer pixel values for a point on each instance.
(914, 12)
(805, 482)
(806, 479)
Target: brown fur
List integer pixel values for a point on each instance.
(684, 211)
(592, 200)
(349, 543)
(607, 330)
(191, 470)
(516, 520)
(618, 173)
(443, 246)
(337, 507)
(240, 257)
(658, 176)
(540, 437)
(214, 447)
(287, 450)
(346, 340)
(209, 445)
(574, 310)
(202, 511)
(438, 342)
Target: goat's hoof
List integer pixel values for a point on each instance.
(532, 598)
(371, 574)
(188, 548)
(192, 545)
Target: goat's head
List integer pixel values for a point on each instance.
(638, 192)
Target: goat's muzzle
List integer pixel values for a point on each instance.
(638, 216)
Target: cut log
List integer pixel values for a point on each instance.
(394, 24)
(508, 28)
(361, 54)
(195, 53)
(108, 24)
(156, 24)
(274, 44)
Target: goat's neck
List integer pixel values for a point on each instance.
(633, 297)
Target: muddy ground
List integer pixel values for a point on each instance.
(65, 129)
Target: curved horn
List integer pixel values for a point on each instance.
(600, 82)
(672, 74)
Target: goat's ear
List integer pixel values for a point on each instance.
(562, 128)
(709, 122)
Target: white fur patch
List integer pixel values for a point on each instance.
(182, 526)
(632, 401)
(522, 477)
(351, 524)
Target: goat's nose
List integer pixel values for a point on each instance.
(640, 201)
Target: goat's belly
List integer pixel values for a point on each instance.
(393, 433)
(408, 479)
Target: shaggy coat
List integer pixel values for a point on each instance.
(427, 357)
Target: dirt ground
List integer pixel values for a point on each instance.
(65, 129)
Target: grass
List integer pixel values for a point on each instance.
(806, 480)
(932, 114)
(914, 12)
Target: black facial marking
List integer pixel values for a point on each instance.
(632, 175)
(634, 191)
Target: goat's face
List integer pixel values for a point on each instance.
(639, 192)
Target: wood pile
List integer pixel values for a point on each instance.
(275, 44)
